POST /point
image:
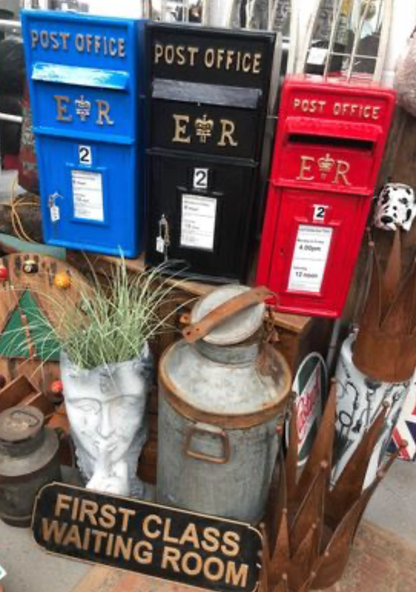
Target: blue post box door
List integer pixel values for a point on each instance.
(85, 77)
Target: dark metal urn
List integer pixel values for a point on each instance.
(28, 461)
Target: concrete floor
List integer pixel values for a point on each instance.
(393, 506)
(30, 569)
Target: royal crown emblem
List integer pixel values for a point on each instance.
(204, 128)
(83, 108)
(326, 164)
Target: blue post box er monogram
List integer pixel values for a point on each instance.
(86, 77)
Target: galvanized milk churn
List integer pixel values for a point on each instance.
(222, 395)
(28, 460)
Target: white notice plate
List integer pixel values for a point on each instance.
(198, 221)
(317, 56)
(3, 573)
(310, 258)
(87, 189)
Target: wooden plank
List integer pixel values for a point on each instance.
(7, 303)
(148, 461)
(22, 391)
(295, 345)
(52, 300)
(39, 401)
(40, 374)
(393, 148)
(44, 297)
(294, 323)
(103, 264)
(15, 392)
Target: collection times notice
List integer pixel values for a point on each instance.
(310, 258)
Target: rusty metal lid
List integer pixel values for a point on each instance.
(221, 394)
(236, 329)
(19, 424)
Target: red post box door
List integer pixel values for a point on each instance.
(315, 250)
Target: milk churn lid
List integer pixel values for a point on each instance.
(19, 424)
(237, 328)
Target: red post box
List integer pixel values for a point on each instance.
(328, 152)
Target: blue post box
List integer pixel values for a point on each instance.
(85, 79)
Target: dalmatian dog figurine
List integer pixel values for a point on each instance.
(395, 207)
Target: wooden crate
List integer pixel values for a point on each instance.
(22, 391)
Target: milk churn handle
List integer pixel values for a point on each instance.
(226, 310)
(201, 429)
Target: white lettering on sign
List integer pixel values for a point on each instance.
(310, 258)
(103, 45)
(87, 189)
(323, 107)
(198, 222)
(309, 405)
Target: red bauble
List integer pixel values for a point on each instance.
(57, 387)
(4, 274)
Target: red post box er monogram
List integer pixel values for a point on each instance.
(328, 151)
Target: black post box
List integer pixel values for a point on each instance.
(208, 101)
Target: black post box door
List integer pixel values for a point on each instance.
(208, 100)
(200, 220)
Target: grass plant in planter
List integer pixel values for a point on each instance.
(106, 368)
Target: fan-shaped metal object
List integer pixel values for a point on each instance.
(309, 528)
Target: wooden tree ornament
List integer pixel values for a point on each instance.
(309, 528)
(33, 287)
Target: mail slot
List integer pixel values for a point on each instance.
(327, 157)
(208, 97)
(85, 78)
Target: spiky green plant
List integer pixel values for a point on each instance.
(112, 322)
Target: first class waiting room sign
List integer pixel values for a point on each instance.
(154, 540)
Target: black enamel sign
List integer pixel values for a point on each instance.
(208, 97)
(146, 538)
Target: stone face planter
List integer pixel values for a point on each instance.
(359, 400)
(107, 412)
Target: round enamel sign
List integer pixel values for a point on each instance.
(310, 386)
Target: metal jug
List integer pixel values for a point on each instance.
(28, 461)
(223, 393)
